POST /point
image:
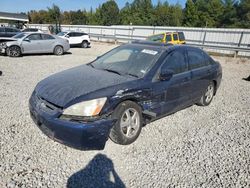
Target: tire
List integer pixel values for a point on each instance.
(84, 44)
(207, 97)
(58, 50)
(14, 51)
(125, 131)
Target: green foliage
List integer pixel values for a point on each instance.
(196, 13)
(109, 13)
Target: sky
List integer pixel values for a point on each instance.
(17, 6)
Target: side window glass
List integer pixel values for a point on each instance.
(35, 37)
(175, 36)
(1, 29)
(196, 59)
(176, 62)
(168, 38)
(47, 37)
(78, 34)
(8, 30)
(71, 34)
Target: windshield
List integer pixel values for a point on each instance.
(128, 60)
(20, 35)
(61, 34)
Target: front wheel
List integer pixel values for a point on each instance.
(58, 50)
(128, 125)
(207, 97)
(13, 51)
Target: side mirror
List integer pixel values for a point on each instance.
(67, 36)
(165, 74)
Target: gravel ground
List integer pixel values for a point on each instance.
(196, 147)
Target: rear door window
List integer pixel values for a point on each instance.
(34, 37)
(176, 61)
(175, 36)
(196, 59)
(47, 37)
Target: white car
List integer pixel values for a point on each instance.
(76, 38)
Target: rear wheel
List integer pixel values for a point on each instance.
(84, 44)
(207, 97)
(13, 51)
(128, 125)
(58, 50)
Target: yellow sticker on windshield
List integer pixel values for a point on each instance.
(151, 52)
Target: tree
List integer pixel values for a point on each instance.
(190, 14)
(161, 14)
(110, 13)
(175, 15)
(244, 13)
(229, 16)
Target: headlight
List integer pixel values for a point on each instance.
(3, 45)
(86, 108)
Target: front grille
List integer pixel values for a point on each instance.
(45, 105)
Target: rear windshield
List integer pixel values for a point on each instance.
(128, 60)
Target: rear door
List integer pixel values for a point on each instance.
(200, 72)
(47, 43)
(168, 38)
(175, 93)
(33, 45)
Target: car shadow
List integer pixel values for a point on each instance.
(45, 54)
(99, 172)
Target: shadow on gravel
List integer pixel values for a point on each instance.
(99, 172)
(247, 79)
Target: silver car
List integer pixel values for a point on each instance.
(35, 43)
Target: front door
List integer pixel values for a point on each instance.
(175, 93)
(32, 43)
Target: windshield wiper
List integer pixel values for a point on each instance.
(90, 64)
(133, 75)
(113, 71)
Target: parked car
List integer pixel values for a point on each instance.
(34, 43)
(120, 92)
(172, 38)
(76, 38)
(8, 31)
(31, 30)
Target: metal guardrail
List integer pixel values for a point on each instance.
(222, 40)
(235, 49)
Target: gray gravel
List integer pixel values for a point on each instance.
(196, 147)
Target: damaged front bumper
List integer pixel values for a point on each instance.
(82, 136)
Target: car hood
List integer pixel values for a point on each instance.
(6, 39)
(63, 87)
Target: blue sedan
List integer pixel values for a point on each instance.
(118, 93)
